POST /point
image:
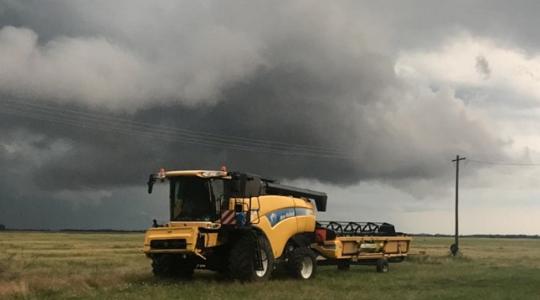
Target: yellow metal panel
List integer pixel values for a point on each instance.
(350, 248)
(282, 231)
(310, 226)
(306, 223)
(189, 233)
(329, 249)
(403, 246)
(272, 202)
(374, 247)
(197, 224)
(211, 239)
(279, 234)
(391, 247)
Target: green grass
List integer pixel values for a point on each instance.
(112, 266)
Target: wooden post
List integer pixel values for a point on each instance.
(455, 247)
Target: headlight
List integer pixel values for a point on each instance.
(161, 174)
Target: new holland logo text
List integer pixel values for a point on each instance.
(282, 214)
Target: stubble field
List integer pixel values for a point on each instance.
(37, 265)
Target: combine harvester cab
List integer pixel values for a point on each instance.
(245, 226)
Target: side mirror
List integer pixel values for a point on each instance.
(150, 183)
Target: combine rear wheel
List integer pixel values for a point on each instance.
(302, 263)
(243, 259)
(172, 265)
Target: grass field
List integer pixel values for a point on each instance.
(111, 266)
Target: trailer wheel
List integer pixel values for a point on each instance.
(242, 259)
(344, 265)
(302, 263)
(171, 265)
(383, 266)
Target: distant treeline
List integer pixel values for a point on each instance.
(495, 236)
(78, 230)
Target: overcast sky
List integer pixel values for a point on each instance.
(368, 101)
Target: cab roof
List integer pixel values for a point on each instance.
(198, 173)
(251, 184)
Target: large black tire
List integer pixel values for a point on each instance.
(172, 265)
(302, 263)
(218, 261)
(242, 259)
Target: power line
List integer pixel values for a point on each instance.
(162, 136)
(503, 163)
(101, 117)
(70, 117)
(84, 116)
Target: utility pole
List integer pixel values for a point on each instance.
(454, 248)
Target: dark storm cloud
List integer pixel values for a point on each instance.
(290, 107)
(295, 74)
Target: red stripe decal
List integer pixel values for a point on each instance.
(227, 217)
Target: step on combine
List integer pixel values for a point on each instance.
(245, 226)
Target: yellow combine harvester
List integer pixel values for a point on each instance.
(246, 226)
